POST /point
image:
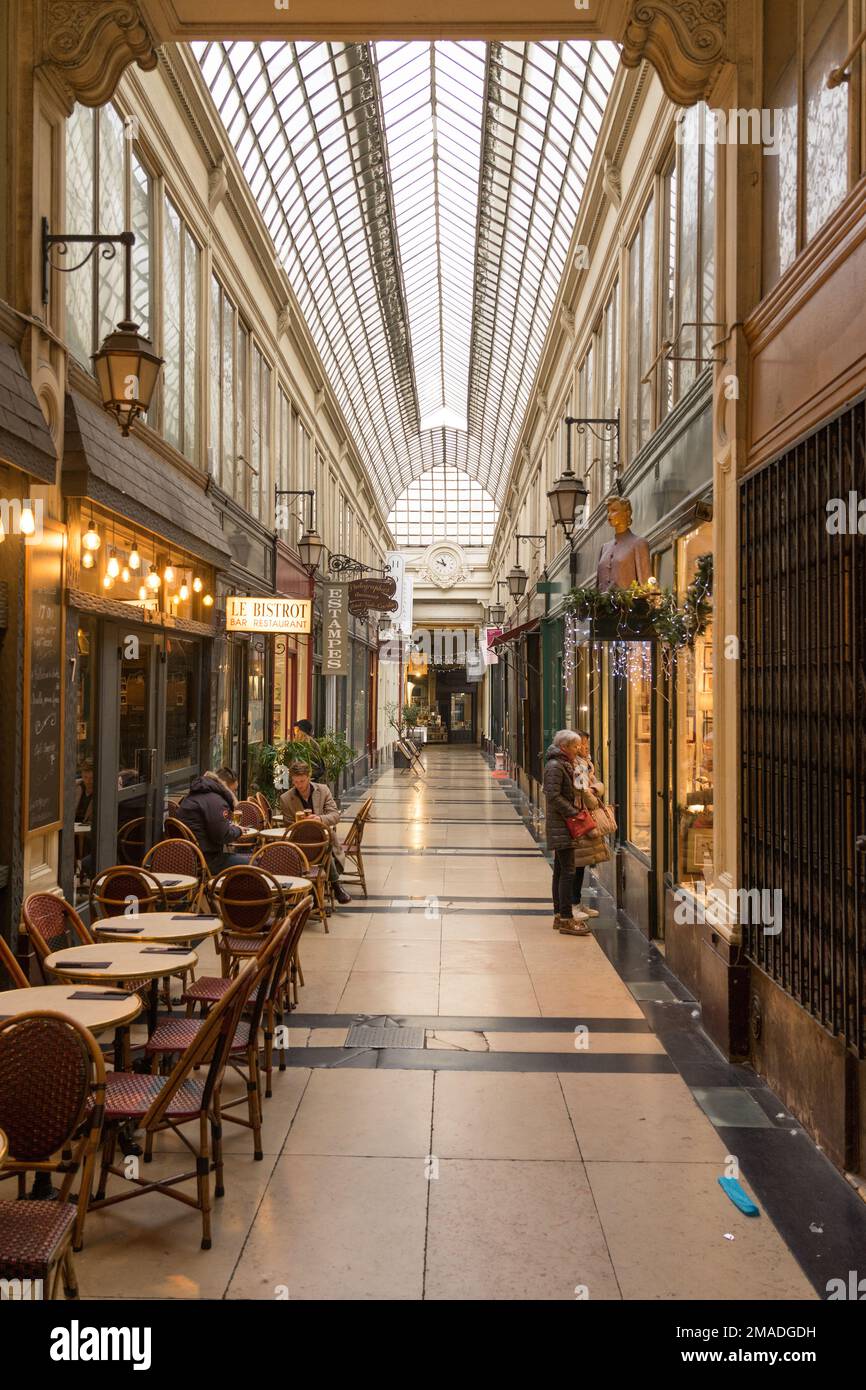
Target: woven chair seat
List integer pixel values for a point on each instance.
(242, 943)
(176, 1035)
(30, 1234)
(129, 1096)
(209, 989)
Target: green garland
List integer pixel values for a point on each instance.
(674, 625)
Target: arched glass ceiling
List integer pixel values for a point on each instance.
(422, 197)
(444, 504)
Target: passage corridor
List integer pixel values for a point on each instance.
(552, 1124)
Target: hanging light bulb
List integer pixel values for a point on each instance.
(134, 557)
(91, 539)
(87, 560)
(2, 530)
(183, 593)
(107, 582)
(124, 574)
(197, 585)
(142, 592)
(153, 580)
(113, 566)
(168, 573)
(208, 600)
(28, 521)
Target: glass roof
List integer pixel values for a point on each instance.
(444, 504)
(422, 197)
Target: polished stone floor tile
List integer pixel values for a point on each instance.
(337, 1228)
(647, 1118)
(395, 953)
(482, 993)
(495, 957)
(463, 926)
(364, 1113)
(515, 1230)
(375, 992)
(500, 1115)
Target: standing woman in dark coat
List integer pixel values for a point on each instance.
(562, 799)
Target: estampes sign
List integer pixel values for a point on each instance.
(267, 614)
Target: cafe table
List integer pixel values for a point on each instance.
(291, 884)
(274, 832)
(96, 1009)
(4, 1148)
(120, 960)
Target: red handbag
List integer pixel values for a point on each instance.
(580, 824)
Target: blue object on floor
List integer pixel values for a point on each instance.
(739, 1196)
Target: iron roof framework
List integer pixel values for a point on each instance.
(422, 198)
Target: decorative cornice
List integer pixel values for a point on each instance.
(217, 184)
(612, 183)
(87, 44)
(684, 40)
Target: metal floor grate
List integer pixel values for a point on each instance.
(372, 1035)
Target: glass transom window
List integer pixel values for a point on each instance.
(444, 504)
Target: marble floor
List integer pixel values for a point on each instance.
(551, 1135)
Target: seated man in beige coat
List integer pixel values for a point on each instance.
(316, 799)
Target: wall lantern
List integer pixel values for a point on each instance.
(126, 367)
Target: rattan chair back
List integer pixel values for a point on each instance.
(246, 897)
(250, 815)
(175, 829)
(313, 838)
(53, 925)
(281, 857)
(52, 1081)
(131, 841)
(177, 857)
(264, 806)
(124, 890)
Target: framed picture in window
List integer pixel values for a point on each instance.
(643, 728)
(690, 729)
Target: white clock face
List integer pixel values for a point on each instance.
(444, 566)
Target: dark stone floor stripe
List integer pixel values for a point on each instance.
(522, 1023)
(446, 1059)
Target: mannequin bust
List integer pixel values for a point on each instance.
(626, 558)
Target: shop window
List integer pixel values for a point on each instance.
(358, 736)
(687, 259)
(182, 701)
(641, 275)
(229, 413)
(179, 411)
(693, 733)
(257, 669)
(284, 480)
(803, 41)
(260, 438)
(609, 386)
(108, 190)
(638, 680)
(86, 744)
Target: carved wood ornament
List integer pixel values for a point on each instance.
(86, 44)
(684, 40)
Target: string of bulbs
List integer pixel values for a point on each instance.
(151, 583)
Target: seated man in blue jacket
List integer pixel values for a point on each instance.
(207, 810)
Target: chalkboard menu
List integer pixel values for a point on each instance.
(43, 683)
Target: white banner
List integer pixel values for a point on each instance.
(404, 617)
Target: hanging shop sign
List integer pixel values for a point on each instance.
(395, 567)
(267, 614)
(335, 636)
(372, 596)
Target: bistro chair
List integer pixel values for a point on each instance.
(248, 899)
(264, 806)
(265, 1003)
(352, 847)
(131, 841)
(282, 857)
(250, 815)
(156, 1104)
(178, 857)
(172, 807)
(52, 1095)
(53, 925)
(174, 829)
(10, 965)
(315, 841)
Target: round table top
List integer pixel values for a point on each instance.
(83, 827)
(118, 960)
(157, 927)
(274, 832)
(168, 880)
(290, 882)
(4, 1148)
(94, 1013)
